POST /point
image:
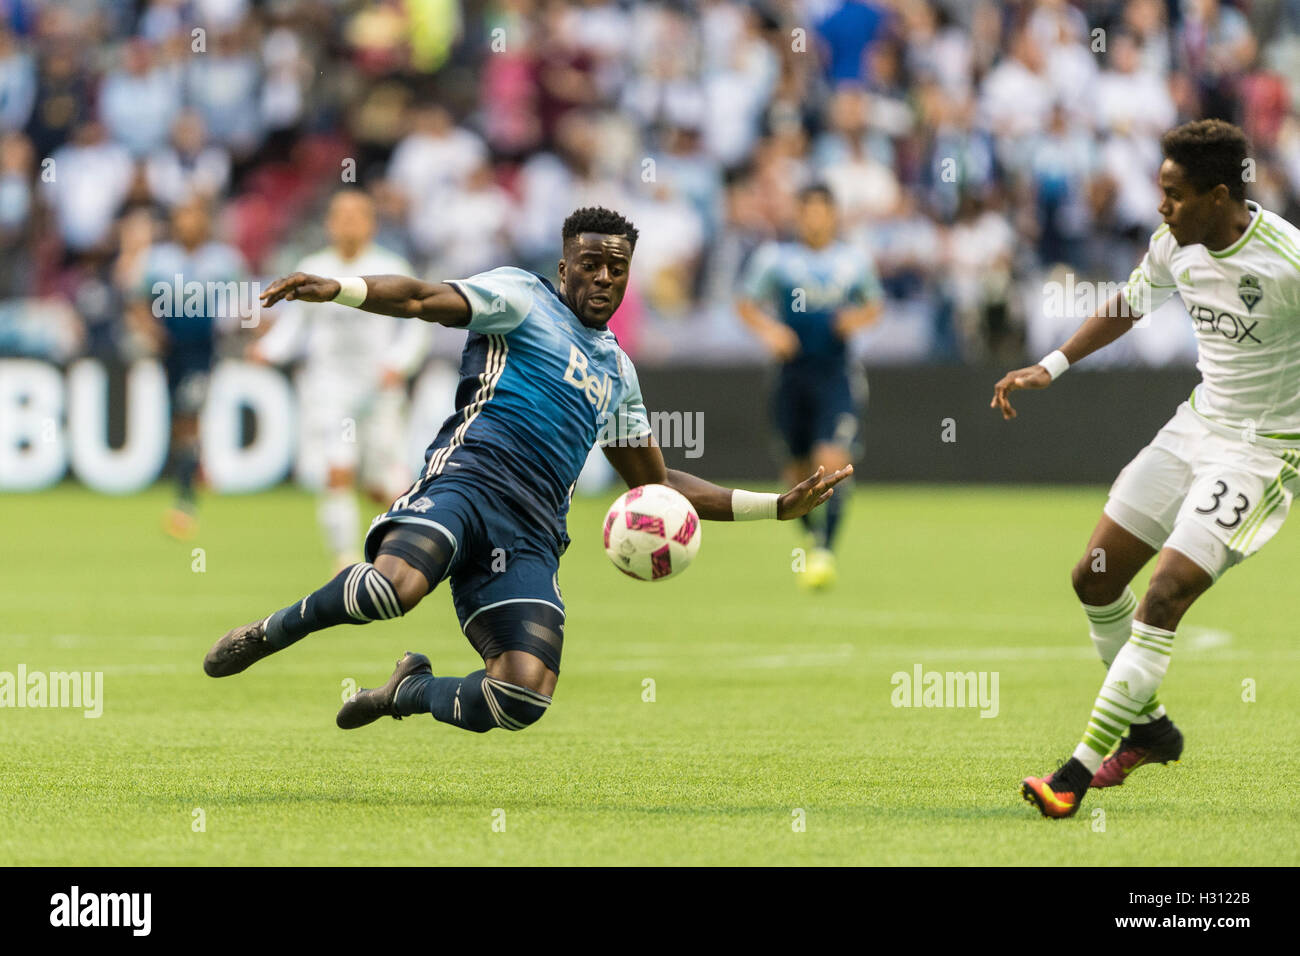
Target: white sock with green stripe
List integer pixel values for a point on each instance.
(1110, 626)
(1131, 683)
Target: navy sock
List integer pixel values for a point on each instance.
(817, 525)
(833, 512)
(356, 595)
(453, 700)
(187, 466)
(476, 702)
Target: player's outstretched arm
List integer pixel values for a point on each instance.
(1097, 331)
(401, 296)
(644, 465)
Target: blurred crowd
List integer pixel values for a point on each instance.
(977, 150)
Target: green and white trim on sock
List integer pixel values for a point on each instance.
(1110, 626)
(1129, 690)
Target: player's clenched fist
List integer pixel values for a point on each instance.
(301, 287)
(1035, 376)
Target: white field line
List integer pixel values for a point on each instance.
(643, 655)
(937, 621)
(1204, 638)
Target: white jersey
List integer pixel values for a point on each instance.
(340, 342)
(1244, 302)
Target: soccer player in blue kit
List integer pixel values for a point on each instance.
(821, 291)
(542, 380)
(185, 336)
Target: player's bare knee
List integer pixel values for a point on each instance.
(409, 584)
(185, 428)
(524, 669)
(520, 643)
(1094, 588)
(414, 559)
(830, 457)
(1166, 600)
(796, 470)
(340, 479)
(518, 689)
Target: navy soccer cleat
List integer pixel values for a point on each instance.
(238, 650)
(367, 706)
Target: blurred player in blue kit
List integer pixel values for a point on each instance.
(805, 300)
(181, 328)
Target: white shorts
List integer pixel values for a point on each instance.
(351, 427)
(1205, 491)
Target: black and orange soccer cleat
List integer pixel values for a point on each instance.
(1058, 794)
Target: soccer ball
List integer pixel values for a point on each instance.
(652, 533)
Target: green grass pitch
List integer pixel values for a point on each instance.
(767, 701)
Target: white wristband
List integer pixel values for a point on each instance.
(753, 505)
(352, 290)
(1055, 363)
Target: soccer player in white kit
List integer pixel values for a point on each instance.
(1217, 481)
(353, 375)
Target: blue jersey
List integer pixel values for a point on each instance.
(807, 287)
(191, 292)
(538, 389)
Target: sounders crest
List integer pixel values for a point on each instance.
(1249, 290)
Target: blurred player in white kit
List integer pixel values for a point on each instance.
(353, 377)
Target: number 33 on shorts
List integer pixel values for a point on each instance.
(1244, 511)
(1240, 506)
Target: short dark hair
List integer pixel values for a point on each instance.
(599, 220)
(1211, 151)
(817, 191)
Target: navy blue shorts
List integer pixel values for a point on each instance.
(497, 558)
(188, 370)
(814, 406)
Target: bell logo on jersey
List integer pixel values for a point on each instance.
(599, 389)
(1230, 326)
